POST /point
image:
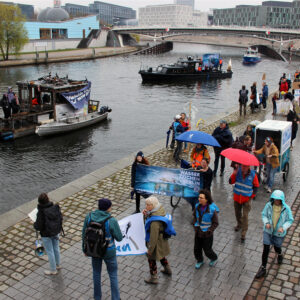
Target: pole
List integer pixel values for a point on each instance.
(190, 124)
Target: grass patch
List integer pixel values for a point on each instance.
(234, 123)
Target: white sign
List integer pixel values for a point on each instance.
(297, 96)
(133, 230)
(32, 215)
(40, 44)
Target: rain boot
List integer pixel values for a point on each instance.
(167, 270)
(153, 279)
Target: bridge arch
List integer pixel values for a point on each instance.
(268, 51)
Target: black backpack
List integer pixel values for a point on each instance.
(53, 220)
(243, 96)
(95, 240)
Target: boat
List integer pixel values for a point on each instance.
(188, 69)
(52, 105)
(251, 56)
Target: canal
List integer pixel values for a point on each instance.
(141, 115)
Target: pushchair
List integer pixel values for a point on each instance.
(256, 103)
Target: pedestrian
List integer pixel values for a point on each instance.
(207, 173)
(292, 116)
(49, 224)
(272, 161)
(185, 123)
(265, 95)
(112, 233)
(277, 218)
(205, 222)
(224, 136)
(242, 143)
(198, 153)
(172, 145)
(243, 99)
(141, 159)
(178, 129)
(245, 187)
(158, 246)
(274, 99)
(253, 97)
(250, 132)
(283, 88)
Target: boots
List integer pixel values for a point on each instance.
(167, 270)
(153, 279)
(261, 272)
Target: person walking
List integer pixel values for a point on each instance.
(253, 97)
(265, 95)
(49, 224)
(178, 129)
(274, 99)
(158, 246)
(272, 161)
(139, 158)
(277, 218)
(185, 123)
(292, 116)
(198, 153)
(243, 99)
(205, 222)
(112, 232)
(245, 187)
(206, 173)
(224, 136)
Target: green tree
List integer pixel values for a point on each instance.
(13, 35)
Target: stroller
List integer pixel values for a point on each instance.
(256, 103)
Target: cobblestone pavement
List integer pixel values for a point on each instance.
(22, 273)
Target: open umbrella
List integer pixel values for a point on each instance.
(198, 137)
(240, 156)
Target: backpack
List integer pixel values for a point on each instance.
(243, 96)
(95, 240)
(53, 220)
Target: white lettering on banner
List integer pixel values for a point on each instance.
(78, 97)
(189, 178)
(133, 231)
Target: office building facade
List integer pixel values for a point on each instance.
(186, 2)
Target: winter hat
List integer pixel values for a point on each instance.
(104, 204)
(223, 122)
(140, 153)
(178, 117)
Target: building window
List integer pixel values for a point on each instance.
(45, 34)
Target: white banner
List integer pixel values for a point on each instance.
(133, 230)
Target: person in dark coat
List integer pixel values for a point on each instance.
(249, 131)
(293, 117)
(243, 99)
(139, 158)
(50, 239)
(207, 174)
(224, 136)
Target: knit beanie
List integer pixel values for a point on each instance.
(140, 153)
(104, 204)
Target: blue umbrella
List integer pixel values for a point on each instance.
(198, 137)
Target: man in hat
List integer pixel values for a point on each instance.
(178, 129)
(224, 136)
(112, 232)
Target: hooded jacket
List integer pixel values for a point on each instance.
(285, 220)
(111, 224)
(223, 136)
(158, 247)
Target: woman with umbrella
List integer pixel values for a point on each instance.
(198, 153)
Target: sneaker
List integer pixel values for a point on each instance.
(269, 190)
(222, 173)
(214, 173)
(279, 259)
(58, 267)
(243, 238)
(199, 264)
(266, 186)
(49, 272)
(212, 263)
(261, 272)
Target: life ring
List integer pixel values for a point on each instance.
(200, 121)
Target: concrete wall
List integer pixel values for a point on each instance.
(74, 27)
(100, 41)
(41, 45)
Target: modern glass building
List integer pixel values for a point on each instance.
(276, 14)
(27, 10)
(185, 2)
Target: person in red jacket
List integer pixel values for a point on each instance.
(245, 187)
(284, 87)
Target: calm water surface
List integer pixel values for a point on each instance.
(141, 115)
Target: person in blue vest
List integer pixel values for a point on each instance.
(277, 218)
(156, 227)
(205, 222)
(245, 187)
(178, 129)
(112, 232)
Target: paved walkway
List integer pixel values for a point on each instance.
(22, 273)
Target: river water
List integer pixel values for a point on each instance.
(141, 115)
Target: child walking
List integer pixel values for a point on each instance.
(277, 218)
(205, 222)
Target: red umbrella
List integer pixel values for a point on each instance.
(240, 156)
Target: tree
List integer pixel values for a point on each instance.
(13, 35)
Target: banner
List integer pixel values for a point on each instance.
(133, 230)
(80, 98)
(211, 60)
(297, 96)
(167, 181)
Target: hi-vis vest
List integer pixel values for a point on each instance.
(197, 158)
(167, 219)
(207, 216)
(243, 186)
(175, 124)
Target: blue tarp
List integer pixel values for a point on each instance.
(211, 60)
(79, 98)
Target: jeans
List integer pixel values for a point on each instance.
(216, 163)
(51, 245)
(270, 175)
(112, 269)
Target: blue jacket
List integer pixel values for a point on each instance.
(265, 91)
(244, 186)
(169, 229)
(112, 230)
(207, 217)
(285, 220)
(178, 128)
